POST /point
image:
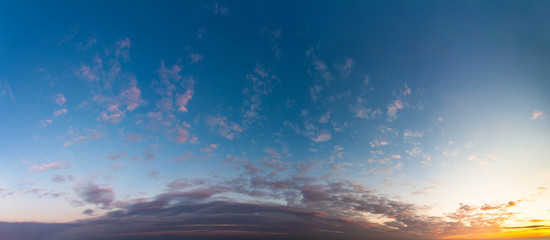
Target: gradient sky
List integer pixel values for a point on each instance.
(274, 119)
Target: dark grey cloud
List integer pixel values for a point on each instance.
(293, 206)
(92, 193)
(200, 214)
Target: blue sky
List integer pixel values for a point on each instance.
(393, 118)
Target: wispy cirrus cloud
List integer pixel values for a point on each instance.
(5, 90)
(50, 166)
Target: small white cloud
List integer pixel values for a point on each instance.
(537, 114)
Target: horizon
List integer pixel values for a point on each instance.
(275, 120)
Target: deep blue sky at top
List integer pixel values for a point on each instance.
(447, 45)
(476, 71)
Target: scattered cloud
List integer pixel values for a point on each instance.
(5, 90)
(323, 136)
(117, 156)
(346, 66)
(122, 49)
(273, 35)
(176, 90)
(181, 135)
(59, 99)
(378, 143)
(325, 118)
(537, 115)
(44, 123)
(67, 37)
(117, 107)
(60, 112)
(50, 166)
(398, 103)
(87, 73)
(220, 10)
(224, 127)
(195, 57)
(92, 135)
(261, 86)
(131, 136)
(209, 148)
(92, 193)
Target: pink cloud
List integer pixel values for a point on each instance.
(131, 97)
(94, 134)
(123, 48)
(394, 107)
(86, 73)
(59, 99)
(44, 123)
(537, 114)
(377, 143)
(52, 165)
(181, 135)
(183, 99)
(209, 148)
(60, 112)
(225, 127)
(322, 137)
(113, 114)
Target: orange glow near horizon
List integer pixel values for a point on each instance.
(533, 231)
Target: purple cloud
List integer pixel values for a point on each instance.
(92, 193)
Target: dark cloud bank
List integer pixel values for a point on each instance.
(315, 208)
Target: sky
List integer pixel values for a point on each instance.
(275, 119)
